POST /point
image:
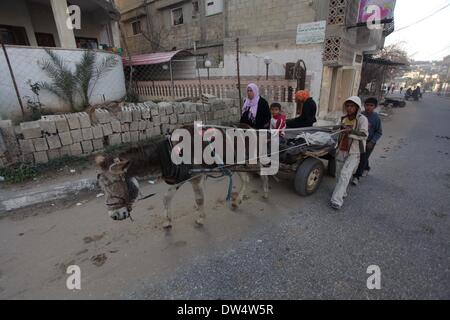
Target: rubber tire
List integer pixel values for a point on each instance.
(303, 172)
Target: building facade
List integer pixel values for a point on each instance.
(43, 23)
(326, 34)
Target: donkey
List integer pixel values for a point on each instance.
(122, 191)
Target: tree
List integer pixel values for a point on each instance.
(378, 73)
(69, 85)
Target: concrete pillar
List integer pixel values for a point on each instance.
(66, 36)
(115, 34)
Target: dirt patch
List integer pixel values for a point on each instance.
(99, 260)
(94, 238)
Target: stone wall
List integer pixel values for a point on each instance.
(78, 134)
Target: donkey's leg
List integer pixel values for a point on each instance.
(197, 185)
(245, 179)
(167, 201)
(265, 180)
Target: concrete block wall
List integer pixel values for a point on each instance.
(77, 134)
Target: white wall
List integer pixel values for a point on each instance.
(24, 62)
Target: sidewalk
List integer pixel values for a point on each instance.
(46, 188)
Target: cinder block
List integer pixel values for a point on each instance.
(26, 146)
(145, 112)
(151, 105)
(27, 158)
(48, 125)
(53, 142)
(107, 129)
(85, 120)
(156, 120)
(41, 157)
(134, 126)
(87, 147)
(77, 136)
(156, 131)
(97, 132)
(65, 151)
(126, 115)
(98, 144)
(73, 121)
(115, 139)
(165, 120)
(173, 119)
(103, 116)
(142, 125)
(137, 115)
(87, 134)
(40, 144)
(31, 130)
(61, 123)
(76, 150)
(66, 138)
(154, 111)
(54, 154)
(126, 137)
(142, 135)
(125, 127)
(134, 136)
(116, 126)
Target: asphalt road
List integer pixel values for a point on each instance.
(289, 247)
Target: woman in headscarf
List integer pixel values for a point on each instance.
(306, 114)
(256, 110)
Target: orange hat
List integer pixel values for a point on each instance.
(302, 95)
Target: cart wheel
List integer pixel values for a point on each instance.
(309, 176)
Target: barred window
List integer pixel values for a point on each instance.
(136, 27)
(177, 16)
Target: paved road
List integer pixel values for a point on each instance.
(286, 248)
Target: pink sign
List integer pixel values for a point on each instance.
(386, 8)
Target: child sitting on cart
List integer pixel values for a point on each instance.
(278, 121)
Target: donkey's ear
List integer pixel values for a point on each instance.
(120, 166)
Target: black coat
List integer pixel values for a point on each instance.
(263, 116)
(308, 117)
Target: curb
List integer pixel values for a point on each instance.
(56, 193)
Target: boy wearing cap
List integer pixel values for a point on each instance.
(352, 143)
(307, 113)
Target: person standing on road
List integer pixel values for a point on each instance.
(375, 133)
(352, 143)
(256, 111)
(306, 113)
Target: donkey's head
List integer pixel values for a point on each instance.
(120, 190)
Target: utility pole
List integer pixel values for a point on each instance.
(238, 70)
(13, 79)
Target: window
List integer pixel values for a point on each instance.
(136, 25)
(177, 16)
(195, 9)
(45, 39)
(214, 7)
(86, 43)
(13, 35)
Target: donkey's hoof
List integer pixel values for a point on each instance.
(200, 222)
(234, 206)
(266, 197)
(167, 225)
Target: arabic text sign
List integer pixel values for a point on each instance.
(314, 32)
(386, 9)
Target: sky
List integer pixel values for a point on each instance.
(427, 40)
